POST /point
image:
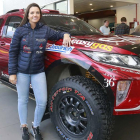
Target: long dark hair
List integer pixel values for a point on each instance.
(25, 19)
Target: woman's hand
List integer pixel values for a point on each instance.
(13, 79)
(67, 40)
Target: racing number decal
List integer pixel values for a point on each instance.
(109, 82)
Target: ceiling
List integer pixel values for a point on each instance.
(82, 6)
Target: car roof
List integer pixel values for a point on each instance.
(22, 11)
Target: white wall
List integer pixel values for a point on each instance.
(126, 11)
(70, 6)
(1, 7)
(19, 4)
(97, 23)
(50, 6)
(129, 12)
(62, 7)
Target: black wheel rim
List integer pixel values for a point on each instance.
(73, 114)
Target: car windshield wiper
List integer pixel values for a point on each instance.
(59, 28)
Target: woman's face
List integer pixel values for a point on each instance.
(34, 15)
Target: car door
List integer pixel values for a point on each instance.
(1, 43)
(9, 28)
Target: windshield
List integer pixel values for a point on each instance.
(70, 24)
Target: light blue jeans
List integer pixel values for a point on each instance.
(39, 85)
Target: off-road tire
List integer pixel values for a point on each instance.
(98, 118)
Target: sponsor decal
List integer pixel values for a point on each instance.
(118, 39)
(38, 52)
(60, 49)
(80, 95)
(109, 82)
(110, 70)
(89, 107)
(112, 39)
(112, 76)
(3, 51)
(90, 136)
(58, 15)
(56, 93)
(73, 37)
(62, 134)
(101, 46)
(26, 49)
(24, 39)
(92, 45)
(41, 40)
(41, 46)
(130, 38)
(81, 42)
(65, 90)
(66, 138)
(131, 71)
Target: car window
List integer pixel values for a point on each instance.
(71, 24)
(1, 21)
(13, 23)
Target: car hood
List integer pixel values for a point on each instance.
(109, 43)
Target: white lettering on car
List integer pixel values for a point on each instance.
(109, 82)
(60, 49)
(130, 71)
(81, 42)
(119, 39)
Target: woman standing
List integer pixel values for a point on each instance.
(26, 65)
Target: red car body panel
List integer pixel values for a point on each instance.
(101, 71)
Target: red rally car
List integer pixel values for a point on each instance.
(89, 82)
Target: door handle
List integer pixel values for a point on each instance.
(2, 43)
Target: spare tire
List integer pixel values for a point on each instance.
(80, 110)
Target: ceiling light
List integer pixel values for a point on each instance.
(111, 5)
(90, 4)
(76, 12)
(92, 9)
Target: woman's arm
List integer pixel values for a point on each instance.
(13, 53)
(66, 40)
(56, 35)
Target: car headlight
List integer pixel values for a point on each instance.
(122, 91)
(115, 59)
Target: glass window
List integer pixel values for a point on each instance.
(14, 22)
(71, 24)
(50, 7)
(62, 7)
(1, 21)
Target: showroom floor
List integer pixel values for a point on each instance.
(126, 127)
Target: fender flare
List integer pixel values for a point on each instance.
(89, 68)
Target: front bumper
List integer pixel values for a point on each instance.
(131, 103)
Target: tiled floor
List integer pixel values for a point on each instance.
(126, 127)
